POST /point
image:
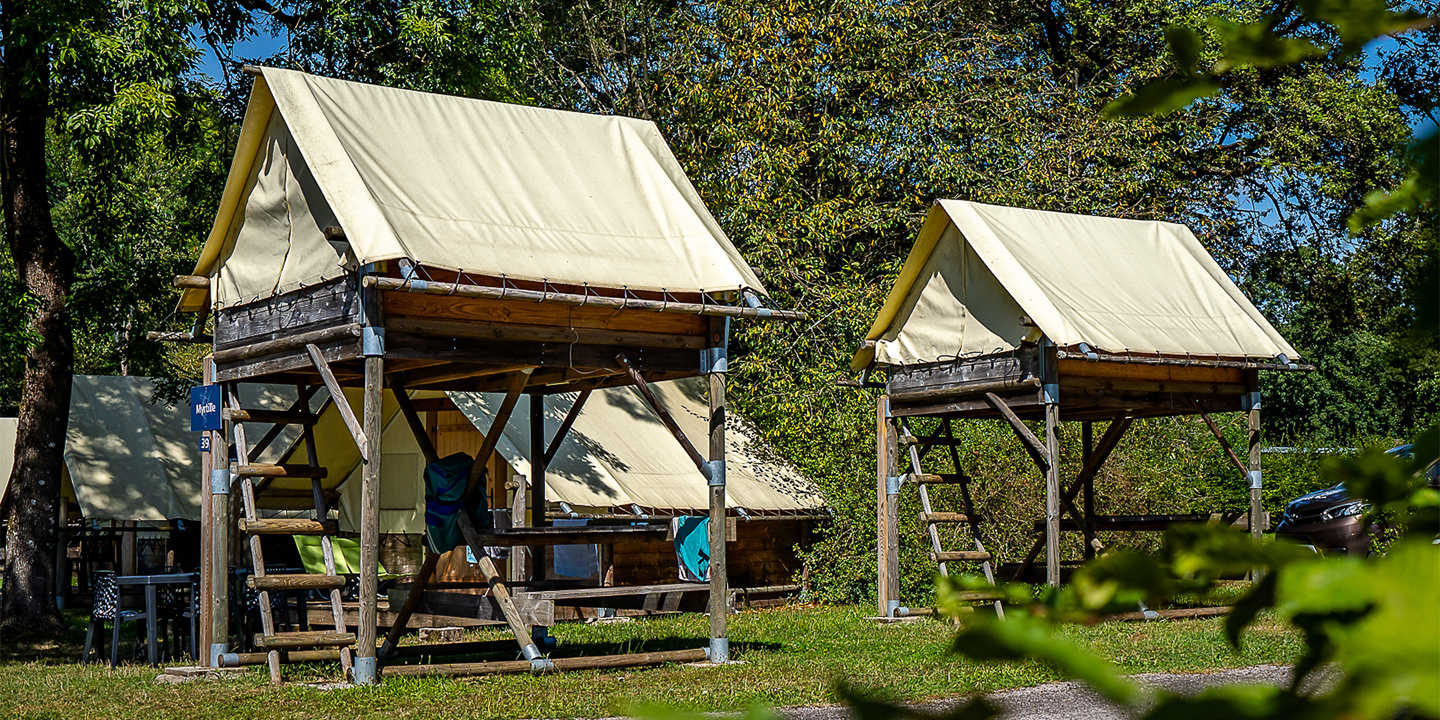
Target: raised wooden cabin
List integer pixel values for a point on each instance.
(1017, 314)
(398, 241)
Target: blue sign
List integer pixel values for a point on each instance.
(204, 442)
(204, 408)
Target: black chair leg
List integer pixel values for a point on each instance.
(89, 639)
(115, 642)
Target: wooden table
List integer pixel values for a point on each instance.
(152, 583)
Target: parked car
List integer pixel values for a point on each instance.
(1331, 521)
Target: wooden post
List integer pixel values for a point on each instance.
(1257, 506)
(719, 582)
(887, 508)
(127, 548)
(537, 460)
(519, 554)
(1087, 445)
(207, 464)
(1051, 390)
(219, 558)
(365, 671)
(537, 477)
(369, 436)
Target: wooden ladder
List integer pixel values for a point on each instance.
(271, 641)
(932, 519)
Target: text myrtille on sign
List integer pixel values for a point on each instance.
(204, 408)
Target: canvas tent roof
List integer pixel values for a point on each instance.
(1120, 286)
(618, 453)
(489, 188)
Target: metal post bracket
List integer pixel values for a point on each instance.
(893, 483)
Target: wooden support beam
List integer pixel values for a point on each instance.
(664, 415)
(288, 526)
(500, 667)
(1257, 498)
(214, 458)
(412, 419)
(1087, 446)
(199, 282)
(509, 332)
(622, 303)
(1052, 493)
(963, 389)
(366, 671)
(517, 626)
(719, 567)
(268, 470)
(538, 501)
(497, 427)
(452, 371)
(887, 508)
(289, 342)
(1038, 450)
(1229, 452)
(564, 428)
(276, 417)
(337, 394)
(1112, 436)
(187, 336)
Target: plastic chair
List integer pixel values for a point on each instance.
(107, 607)
(179, 604)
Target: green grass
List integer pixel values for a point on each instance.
(792, 656)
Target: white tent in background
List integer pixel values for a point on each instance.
(128, 458)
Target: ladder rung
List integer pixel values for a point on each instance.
(288, 526)
(277, 417)
(934, 478)
(943, 517)
(273, 493)
(912, 440)
(280, 471)
(979, 595)
(960, 556)
(296, 582)
(283, 640)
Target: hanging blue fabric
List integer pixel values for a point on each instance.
(445, 481)
(692, 547)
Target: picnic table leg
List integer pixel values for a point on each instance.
(152, 625)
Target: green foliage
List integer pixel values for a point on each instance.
(135, 161)
(1374, 619)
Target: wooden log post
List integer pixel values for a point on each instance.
(218, 560)
(207, 465)
(887, 508)
(1087, 446)
(537, 468)
(1257, 504)
(373, 345)
(719, 580)
(1051, 391)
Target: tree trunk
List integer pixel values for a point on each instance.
(45, 266)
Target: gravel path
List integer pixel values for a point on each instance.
(1072, 700)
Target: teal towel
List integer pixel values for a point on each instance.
(444, 486)
(692, 547)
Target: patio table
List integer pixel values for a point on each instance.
(152, 583)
